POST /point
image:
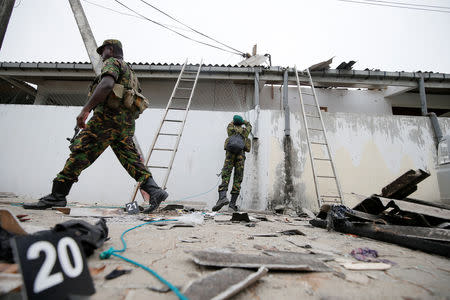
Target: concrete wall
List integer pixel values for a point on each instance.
(370, 151)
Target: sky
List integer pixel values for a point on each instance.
(301, 33)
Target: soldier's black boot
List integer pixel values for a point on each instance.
(222, 201)
(233, 205)
(157, 194)
(56, 199)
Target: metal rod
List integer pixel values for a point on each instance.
(256, 103)
(287, 123)
(423, 97)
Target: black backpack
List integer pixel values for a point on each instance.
(235, 144)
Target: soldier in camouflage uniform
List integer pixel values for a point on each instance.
(233, 160)
(112, 124)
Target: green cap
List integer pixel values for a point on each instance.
(237, 120)
(109, 42)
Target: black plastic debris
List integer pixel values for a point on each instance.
(391, 224)
(404, 185)
(292, 232)
(116, 273)
(172, 207)
(240, 217)
(90, 236)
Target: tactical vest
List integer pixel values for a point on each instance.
(131, 98)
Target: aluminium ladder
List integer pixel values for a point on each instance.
(323, 168)
(180, 100)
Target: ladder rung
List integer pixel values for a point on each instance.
(176, 121)
(312, 116)
(158, 167)
(190, 72)
(315, 129)
(184, 88)
(171, 134)
(316, 158)
(309, 104)
(164, 149)
(177, 108)
(318, 143)
(179, 97)
(183, 79)
(326, 196)
(323, 176)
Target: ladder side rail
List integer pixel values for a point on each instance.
(308, 139)
(182, 127)
(325, 136)
(136, 188)
(165, 113)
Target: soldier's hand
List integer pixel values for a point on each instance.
(81, 119)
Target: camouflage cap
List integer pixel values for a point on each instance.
(109, 42)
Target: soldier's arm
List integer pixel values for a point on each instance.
(248, 128)
(109, 74)
(100, 93)
(230, 129)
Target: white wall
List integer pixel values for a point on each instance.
(370, 152)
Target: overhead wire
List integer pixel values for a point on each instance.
(176, 32)
(194, 30)
(130, 15)
(396, 6)
(409, 4)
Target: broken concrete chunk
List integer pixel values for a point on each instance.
(306, 212)
(357, 278)
(96, 212)
(10, 283)
(10, 223)
(281, 261)
(279, 209)
(222, 284)
(366, 266)
(266, 235)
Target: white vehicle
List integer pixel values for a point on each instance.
(443, 169)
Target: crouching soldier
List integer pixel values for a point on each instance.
(236, 145)
(117, 101)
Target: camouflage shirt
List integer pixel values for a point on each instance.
(243, 131)
(235, 129)
(122, 74)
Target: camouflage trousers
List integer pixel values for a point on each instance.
(103, 131)
(236, 161)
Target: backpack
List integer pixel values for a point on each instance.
(235, 143)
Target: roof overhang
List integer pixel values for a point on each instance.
(35, 72)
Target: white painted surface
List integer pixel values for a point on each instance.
(370, 152)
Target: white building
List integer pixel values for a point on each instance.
(373, 120)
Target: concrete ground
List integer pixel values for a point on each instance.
(416, 275)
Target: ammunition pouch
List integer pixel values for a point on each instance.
(131, 99)
(135, 101)
(115, 97)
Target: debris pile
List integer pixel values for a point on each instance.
(411, 223)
